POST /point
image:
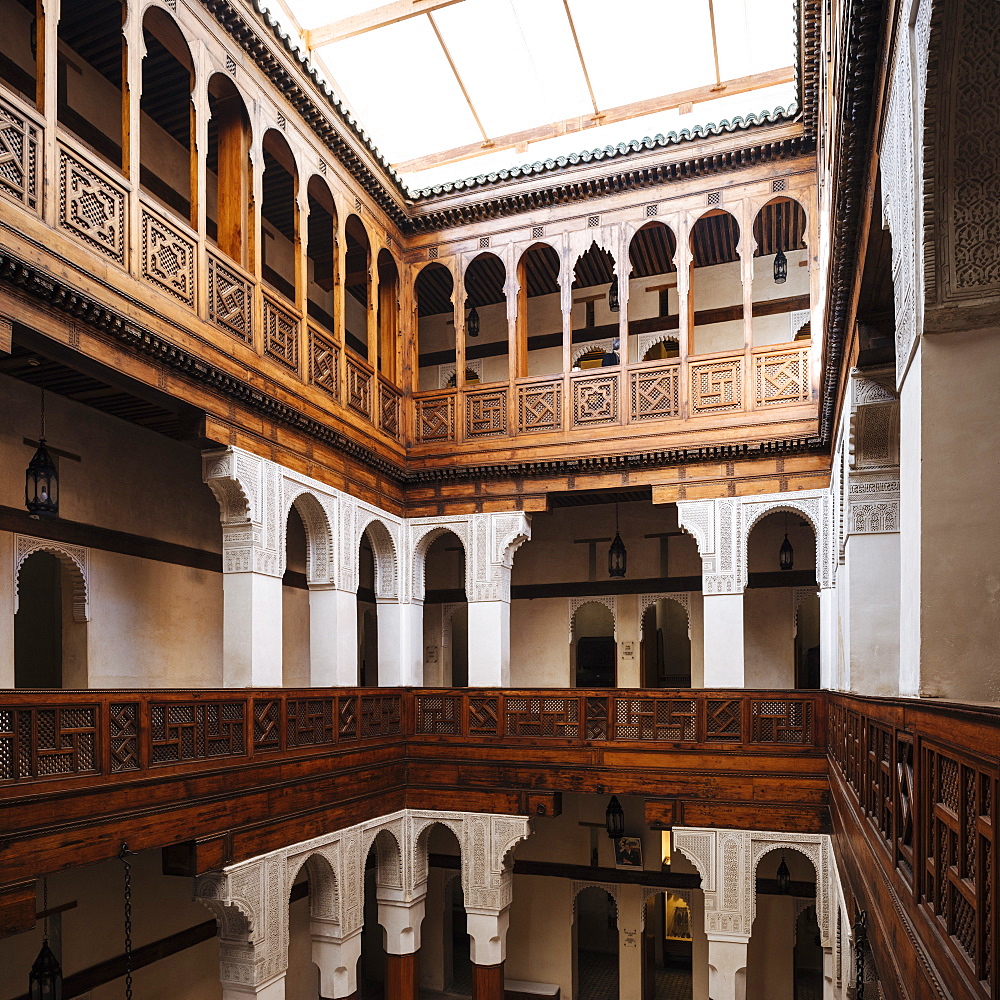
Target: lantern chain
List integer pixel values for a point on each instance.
(860, 942)
(124, 855)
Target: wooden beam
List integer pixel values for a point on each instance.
(460, 82)
(369, 20)
(583, 64)
(697, 95)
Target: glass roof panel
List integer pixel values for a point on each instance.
(518, 63)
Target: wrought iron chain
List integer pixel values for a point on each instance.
(124, 855)
(860, 943)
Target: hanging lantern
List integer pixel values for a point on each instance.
(613, 304)
(784, 877)
(472, 323)
(780, 267)
(617, 554)
(614, 819)
(41, 480)
(786, 555)
(45, 981)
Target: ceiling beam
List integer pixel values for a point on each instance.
(697, 95)
(458, 80)
(369, 20)
(583, 62)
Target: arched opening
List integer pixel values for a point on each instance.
(593, 650)
(716, 296)
(539, 313)
(228, 191)
(771, 952)
(372, 964)
(321, 249)
(50, 646)
(367, 616)
(304, 902)
(445, 961)
(595, 294)
(770, 605)
(168, 171)
(388, 315)
(19, 70)
(435, 324)
(90, 71)
(807, 957)
(279, 216)
(295, 605)
(780, 274)
(471, 378)
(595, 945)
(665, 649)
(652, 298)
(486, 335)
(446, 616)
(357, 283)
(667, 942)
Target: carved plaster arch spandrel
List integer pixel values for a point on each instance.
(423, 534)
(74, 558)
(319, 530)
(648, 340)
(611, 888)
(385, 548)
(593, 345)
(575, 603)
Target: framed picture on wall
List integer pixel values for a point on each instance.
(628, 852)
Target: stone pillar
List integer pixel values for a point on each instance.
(714, 526)
(488, 940)
(630, 905)
(493, 540)
(248, 489)
(333, 636)
(727, 966)
(400, 641)
(401, 913)
(336, 955)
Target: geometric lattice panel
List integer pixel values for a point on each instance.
(18, 157)
(654, 394)
(91, 207)
(324, 362)
(595, 400)
(281, 334)
(782, 377)
(539, 407)
(390, 402)
(168, 258)
(436, 419)
(359, 387)
(486, 412)
(230, 300)
(717, 385)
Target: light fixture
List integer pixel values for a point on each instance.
(472, 323)
(41, 481)
(617, 554)
(614, 819)
(613, 304)
(780, 260)
(784, 877)
(786, 554)
(45, 980)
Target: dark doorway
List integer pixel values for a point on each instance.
(38, 623)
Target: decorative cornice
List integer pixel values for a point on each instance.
(865, 25)
(59, 295)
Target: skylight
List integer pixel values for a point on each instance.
(449, 89)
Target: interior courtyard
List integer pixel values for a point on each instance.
(499, 500)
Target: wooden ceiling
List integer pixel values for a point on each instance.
(29, 366)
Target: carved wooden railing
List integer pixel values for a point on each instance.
(922, 780)
(635, 394)
(677, 717)
(52, 735)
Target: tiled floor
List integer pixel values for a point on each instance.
(599, 979)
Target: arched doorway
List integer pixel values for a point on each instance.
(665, 649)
(667, 947)
(595, 945)
(716, 300)
(596, 303)
(539, 313)
(593, 650)
(486, 334)
(446, 616)
(652, 297)
(50, 630)
(781, 638)
(780, 274)
(807, 955)
(445, 951)
(367, 616)
(295, 651)
(436, 345)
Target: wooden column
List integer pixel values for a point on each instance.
(487, 982)
(402, 977)
(233, 178)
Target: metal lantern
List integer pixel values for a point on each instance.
(617, 554)
(45, 981)
(784, 877)
(472, 323)
(41, 480)
(613, 304)
(614, 819)
(780, 267)
(786, 555)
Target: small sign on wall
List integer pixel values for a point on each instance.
(628, 650)
(431, 654)
(631, 937)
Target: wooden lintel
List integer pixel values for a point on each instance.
(738, 85)
(369, 20)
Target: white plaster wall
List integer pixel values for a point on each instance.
(294, 637)
(768, 645)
